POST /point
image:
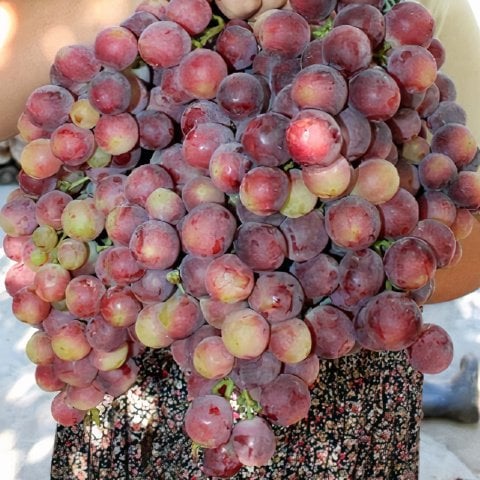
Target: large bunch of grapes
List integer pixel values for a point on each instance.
(255, 188)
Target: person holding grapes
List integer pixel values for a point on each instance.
(366, 406)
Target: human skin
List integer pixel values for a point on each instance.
(458, 30)
(30, 38)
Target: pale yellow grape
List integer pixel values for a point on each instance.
(238, 9)
(268, 5)
(377, 181)
(300, 199)
(83, 114)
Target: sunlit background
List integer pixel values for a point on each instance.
(475, 6)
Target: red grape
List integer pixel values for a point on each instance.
(262, 137)
(410, 263)
(320, 86)
(192, 15)
(38, 161)
(306, 236)
(50, 282)
(261, 246)
(432, 352)
(313, 10)
(110, 92)
(202, 140)
(227, 167)
(277, 296)
(143, 180)
(71, 144)
(457, 142)
(307, 369)
(208, 421)
(404, 64)
(399, 215)
(352, 222)
(116, 47)
(313, 138)
(290, 340)
(18, 217)
(284, 32)
(389, 321)
(333, 334)
(356, 132)
(63, 413)
(77, 62)
(348, 49)
(286, 400)
(365, 17)
(201, 72)
(192, 271)
(221, 461)
(264, 190)
(48, 106)
(116, 134)
(439, 237)
(138, 21)
(374, 93)
(257, 372)
(207, 230)
(155, 244)
(211, 359)
(318, 275)
(245, 333)
(228, 279)
(238, 46)
(409, 23)
(241, 95)
(253, 441)
(201, 189)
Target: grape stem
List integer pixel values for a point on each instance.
(226, 385)
(381, 54)
(93, 416)
(175, 278)
(100, 248)
(196, 451)
(209, 33)
(322, 30)
(388, 5)
(326, 301)
(388, 285)
(381, 246)
(288, 166)
(248, 406)
(233, 199)
(65, 186)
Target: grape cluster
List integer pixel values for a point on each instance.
(253, 188)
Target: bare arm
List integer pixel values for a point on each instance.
(457, 28)
(463, 278)
(30, 35)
